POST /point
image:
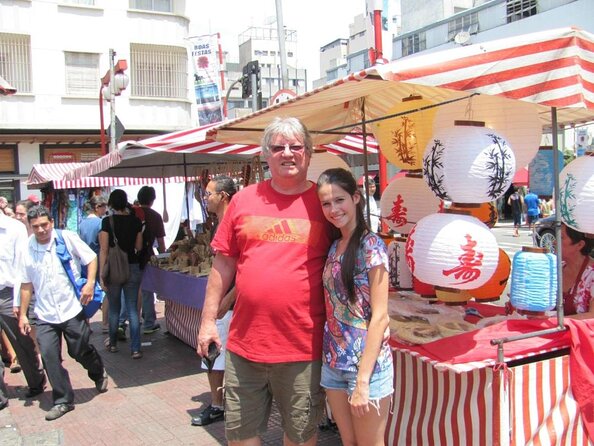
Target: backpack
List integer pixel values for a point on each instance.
(98, 294)
(116, 270)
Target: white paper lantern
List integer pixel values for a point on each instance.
(320, 161)
(468, 164)
(400, 275)
(405, 201)
(452, 251)
(402, 139)
(576, 194)
(516, 121)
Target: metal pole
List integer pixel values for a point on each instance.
(112, 86)
(281, 42)
(556, 170)
(365, 164)
(103, 146)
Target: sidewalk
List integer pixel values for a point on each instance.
(149, 401)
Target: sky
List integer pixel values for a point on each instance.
(317, 22)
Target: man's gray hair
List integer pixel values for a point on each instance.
(287, 127)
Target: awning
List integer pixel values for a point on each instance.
(521, 177)
(42, 174)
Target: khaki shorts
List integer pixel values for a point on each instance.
(251, 386)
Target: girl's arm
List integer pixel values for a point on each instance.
(378, 288)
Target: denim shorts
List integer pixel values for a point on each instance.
(381, 383)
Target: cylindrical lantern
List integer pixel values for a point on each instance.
(452, 251)
(405, 201)
(485, 212)
(452, 296)
(468, 164)
(400, 275)
(534, 280)
(322, 160)
(576, 194)
(491, 291)
(402, 139)
(516, 121)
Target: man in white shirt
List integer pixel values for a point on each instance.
(58, 310)
(13, 241)
(369, 188)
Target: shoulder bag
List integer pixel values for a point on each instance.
(116, 270)
(98, 294)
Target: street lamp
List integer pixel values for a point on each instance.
(108, 91)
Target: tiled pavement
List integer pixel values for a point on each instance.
(149, 401)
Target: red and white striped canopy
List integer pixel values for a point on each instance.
(549, 69)
(42, 174)
(169, 154)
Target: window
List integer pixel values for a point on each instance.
(8, 159)
(468, 22)
(413, 44)
(520, 9)
(15, 60)
(82, 73)
(152, 5)
(158, 71)
(289, 53)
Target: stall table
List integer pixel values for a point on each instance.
(472, 401)
(184, 297)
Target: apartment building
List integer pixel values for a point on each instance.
(55, 53)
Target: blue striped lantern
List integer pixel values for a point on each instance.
(534, 280)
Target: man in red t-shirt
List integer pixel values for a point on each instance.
(274, 239)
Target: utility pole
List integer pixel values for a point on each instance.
(281, 43)
(112, 93)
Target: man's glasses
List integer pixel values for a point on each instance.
(209, 193)
(279, 148)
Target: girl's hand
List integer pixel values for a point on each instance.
(359, 400)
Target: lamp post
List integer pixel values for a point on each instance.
(108, 91)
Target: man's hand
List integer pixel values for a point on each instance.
(24, 325)
(16, 312)
(208, 333)
(86, 293)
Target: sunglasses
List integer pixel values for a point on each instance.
(279, 148)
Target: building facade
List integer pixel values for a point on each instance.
(55, 53)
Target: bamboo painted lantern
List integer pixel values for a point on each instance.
(492, 290)
(468, 163)
(406, 200)
(516, 121)
(576, 194)
(452, 251)
(402, 139)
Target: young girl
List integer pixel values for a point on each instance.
(357, 370)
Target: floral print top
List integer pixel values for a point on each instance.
(345, 330)
(583, 292)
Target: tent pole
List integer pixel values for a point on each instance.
(186, 197)
(365, 164)
(556, 171)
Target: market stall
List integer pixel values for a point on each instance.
(549, 73)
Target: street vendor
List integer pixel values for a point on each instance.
(578, 273)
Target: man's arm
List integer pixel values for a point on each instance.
(161, 244)
(26, 293)
(219, 281)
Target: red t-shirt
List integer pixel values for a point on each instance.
(280, 243)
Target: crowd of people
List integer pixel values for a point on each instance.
(312, 330)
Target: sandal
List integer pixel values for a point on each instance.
(136, 355)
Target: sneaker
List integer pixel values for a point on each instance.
(155, 328)
(136, 355)
(121, 333)
(58, 410)
(101, 383)
(208, 415)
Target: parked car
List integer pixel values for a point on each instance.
(544, 233)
